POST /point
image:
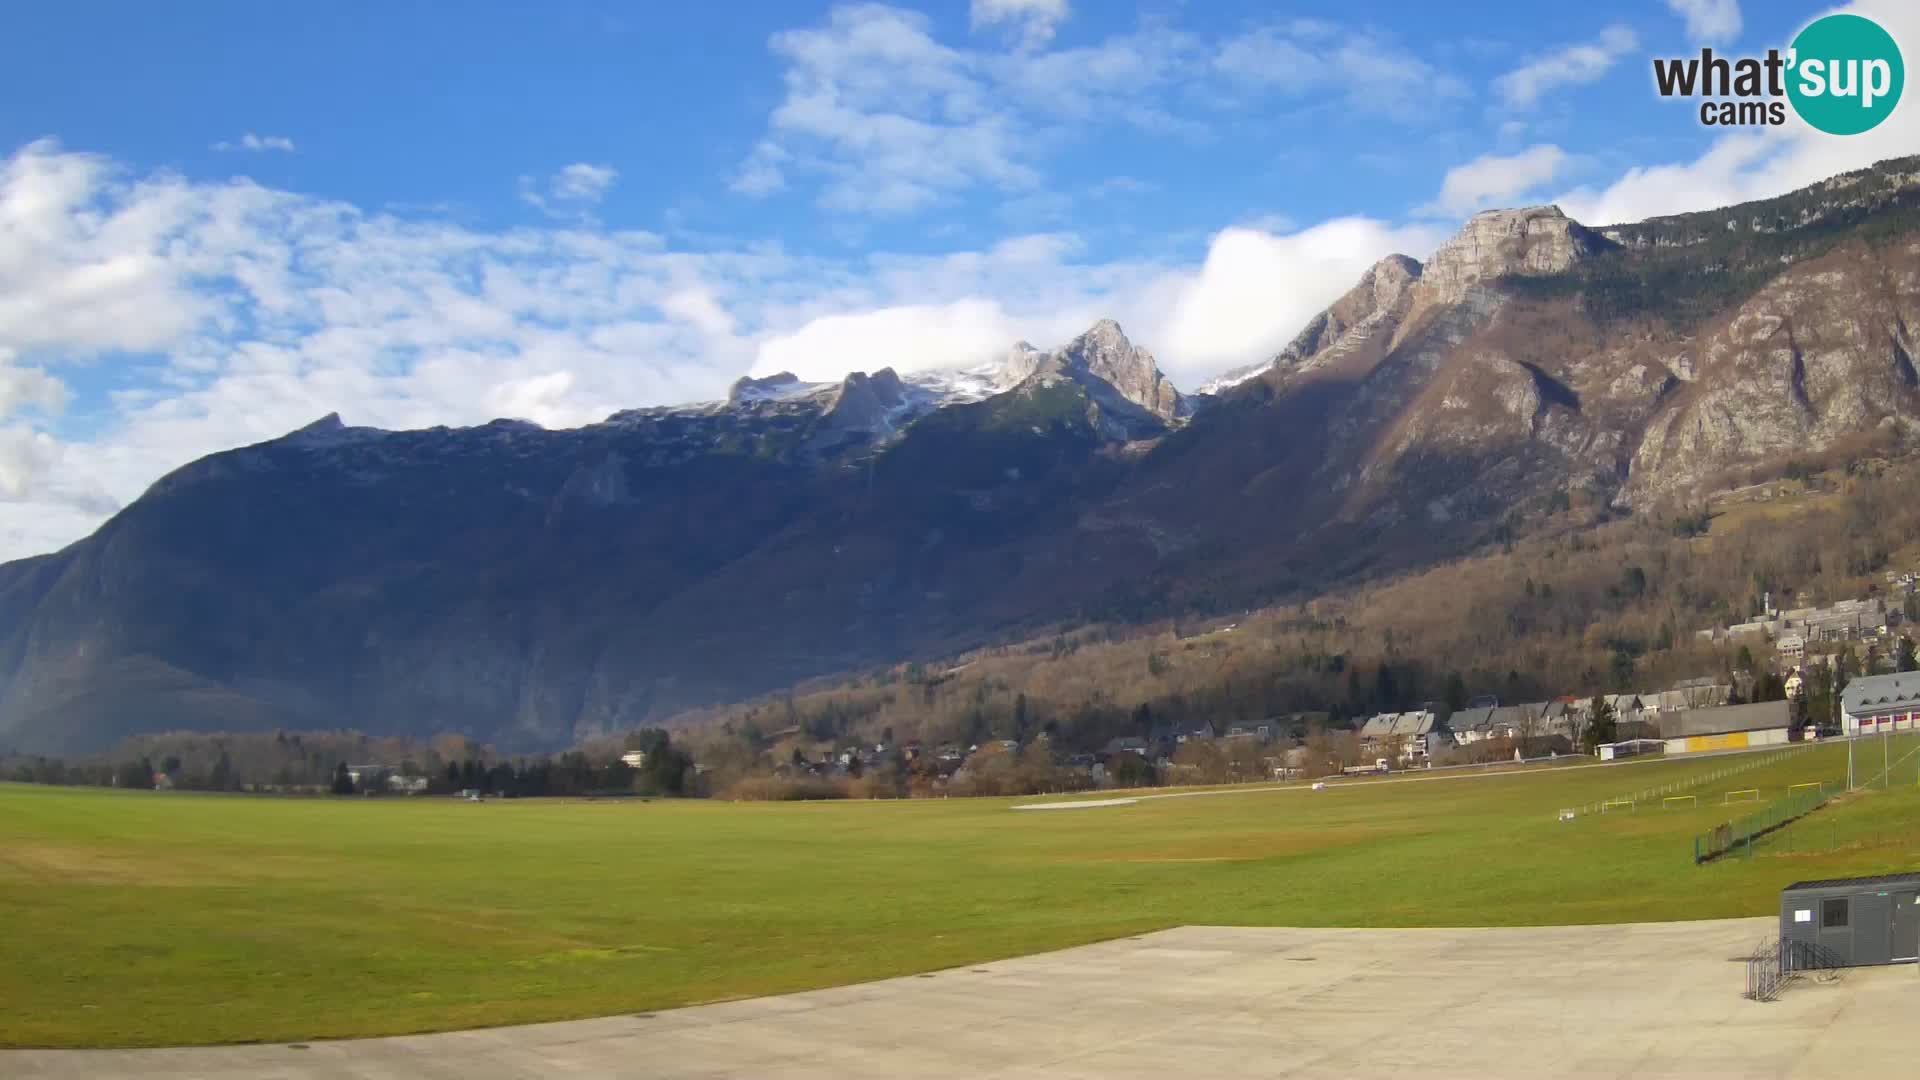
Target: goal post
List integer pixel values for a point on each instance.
(1743, 795)
(1616, 804)
(1671, 800)
(1795, 789)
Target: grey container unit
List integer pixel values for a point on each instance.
(1850, 922)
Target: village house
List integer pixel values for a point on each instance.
(1791, 646)
(1472, 725)
(1410, 736)
(1697, 693)
(1264, 733)
(1510, 721)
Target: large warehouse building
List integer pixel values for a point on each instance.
(1726, 727)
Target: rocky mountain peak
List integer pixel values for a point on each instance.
(326, 425)
(1371, 305)
(1105, 353)
(329, 430)
(1021, 362)
(868, 402)
(748, 388)
(885, 382)
(1393, 272)
(1496, 243)
(1101, 353)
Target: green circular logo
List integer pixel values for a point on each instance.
(1845, 75)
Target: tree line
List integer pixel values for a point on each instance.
(247, 763)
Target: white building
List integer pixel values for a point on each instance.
(1875, 703)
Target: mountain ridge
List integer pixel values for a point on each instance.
(531, 587)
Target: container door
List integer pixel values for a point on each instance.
(1906, 926)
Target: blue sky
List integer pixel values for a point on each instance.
(220, 220)
(409, 107)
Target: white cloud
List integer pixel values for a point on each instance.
(1035, 19)
(1523, 87)
(581, 182)
(1250, 295)
(1257, 289)
(79, 265)
(26, 455)
(1127, 79)
(1711, 21)
(23, 389)
(573, 190)
(889, 118)
(1369, 72)
(1492, 179)
(881, 118)
(907, 337)
(257, 143)
(762, 173)
(697, 307)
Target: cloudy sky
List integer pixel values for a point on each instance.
(221, 221)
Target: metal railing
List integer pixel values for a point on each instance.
(1774, 964)
(1763, 972)
(1805, 956)
(1738, 835)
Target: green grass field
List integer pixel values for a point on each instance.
(143, 919)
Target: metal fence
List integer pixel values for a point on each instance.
(1746, 761)
(1739, 835)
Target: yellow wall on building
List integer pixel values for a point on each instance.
(1734, 741)
(1738, 740)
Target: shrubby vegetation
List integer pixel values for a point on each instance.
(318, 763)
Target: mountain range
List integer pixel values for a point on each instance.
(532, 587)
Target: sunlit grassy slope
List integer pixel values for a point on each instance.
(139, 918)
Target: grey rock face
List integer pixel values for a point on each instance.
(1496, 243)
(1021, 362)
(747, 388)
(1820, 354)
(868, 403)
(1372, 311)
(1105, 354)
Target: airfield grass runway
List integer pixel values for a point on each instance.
(143, 919)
